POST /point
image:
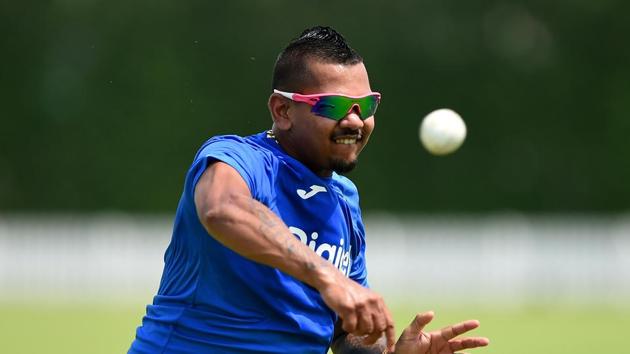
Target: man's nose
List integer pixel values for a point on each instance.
(352, 120)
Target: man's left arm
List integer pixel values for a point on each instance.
(345, 343)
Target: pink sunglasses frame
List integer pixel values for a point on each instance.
(314, 98)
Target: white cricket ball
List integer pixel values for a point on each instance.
(442, 131)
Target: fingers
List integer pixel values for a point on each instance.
(384, 324)
(361, 311)
(349, 321)
(373, 320)
(468, 343)
(381, 323)
(455, 330)
(450, 332)
(421, 320)
(390, 335)
(366, 321)
(358, 321)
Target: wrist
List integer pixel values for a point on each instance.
(322, 275)
(325, 275)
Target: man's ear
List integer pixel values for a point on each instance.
(279, 108)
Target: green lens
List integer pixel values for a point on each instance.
(333, 107)
(368, 106)
(337, 107)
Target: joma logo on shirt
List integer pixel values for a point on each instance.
(314, 190)
(335, 254)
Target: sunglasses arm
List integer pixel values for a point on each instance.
(297, 97)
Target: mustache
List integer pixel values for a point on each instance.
(347, 133)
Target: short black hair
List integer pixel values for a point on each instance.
(319, 43)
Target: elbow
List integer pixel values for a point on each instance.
(213, 215)
(222, 212)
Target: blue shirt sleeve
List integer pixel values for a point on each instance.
(358, 269)
(254, 166)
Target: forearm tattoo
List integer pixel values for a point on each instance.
(273, 231)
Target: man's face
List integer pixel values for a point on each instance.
(323, 144)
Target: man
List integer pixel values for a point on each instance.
(268, 246)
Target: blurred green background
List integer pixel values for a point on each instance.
(105, 103)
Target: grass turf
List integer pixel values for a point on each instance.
(97, 328)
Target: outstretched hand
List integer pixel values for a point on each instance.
(414, 340)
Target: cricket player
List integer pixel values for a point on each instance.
(268, 247)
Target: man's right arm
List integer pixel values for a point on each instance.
(233, 217)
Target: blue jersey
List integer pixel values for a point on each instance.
(212, 300)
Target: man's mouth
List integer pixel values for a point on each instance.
(347, 139)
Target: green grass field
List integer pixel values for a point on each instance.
(28, 328)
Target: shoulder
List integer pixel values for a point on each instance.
(250, 151)
(250, 156)
(232, 143)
